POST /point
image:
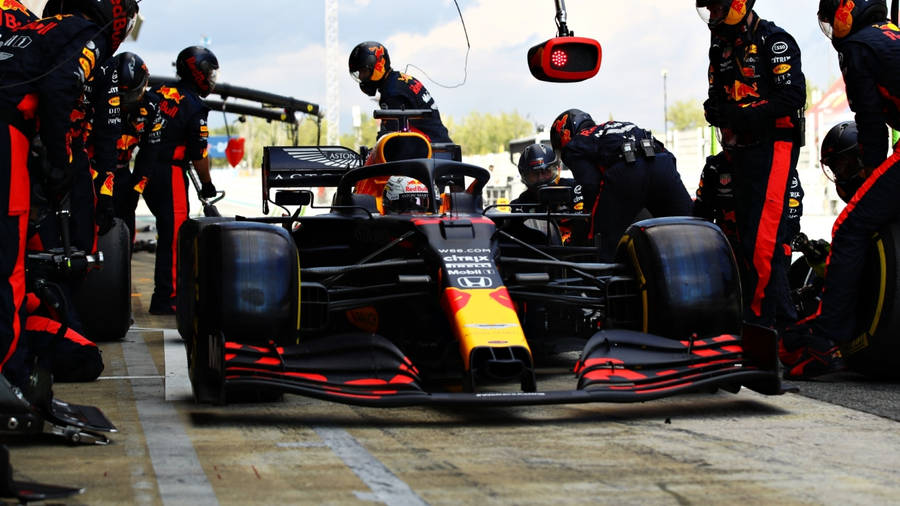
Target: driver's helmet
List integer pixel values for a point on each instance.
(840, 18)
(538, 166)
(368, 64)
(199, 67)
(404, 194)
(840, 151)
(133, 78)
(728, 12)
(116, 18)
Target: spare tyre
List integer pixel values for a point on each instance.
(103, 300)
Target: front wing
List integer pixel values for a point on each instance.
(615, 366)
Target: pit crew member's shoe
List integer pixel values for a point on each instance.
(806, 355)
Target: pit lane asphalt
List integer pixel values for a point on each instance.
(832, 443)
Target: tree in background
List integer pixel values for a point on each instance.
(477, 134)
(365, 136)
(480, 134)
(687, 114)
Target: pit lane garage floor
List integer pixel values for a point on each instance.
(832, 443)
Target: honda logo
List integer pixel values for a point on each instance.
(476, 282)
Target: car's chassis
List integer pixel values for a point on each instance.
(452, 307)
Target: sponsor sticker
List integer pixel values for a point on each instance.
(781, 69)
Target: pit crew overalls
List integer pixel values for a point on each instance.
(105, 129)
(870, 63)
(93, 147)
(760, 77)
(401, 91)
(55, 346)
(136, 125)
(715, 202)
(178, 135)
(622, 170)
(49, 61)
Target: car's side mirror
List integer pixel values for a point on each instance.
(293, 198)
(552, 196)
(565, 59)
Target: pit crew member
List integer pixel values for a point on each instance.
(869, 51)
(757, 93)
(622, 170)
(539, 167)
(44, 76)
(370, 66)
(178, 137)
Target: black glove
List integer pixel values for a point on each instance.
(720, 113)
(207, 190)
(57, 183)
(712, 109)
(104, 213)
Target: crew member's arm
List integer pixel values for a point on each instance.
(715, 93)
(858, 65)
(197, 151)
(202, 167)
(60, 95)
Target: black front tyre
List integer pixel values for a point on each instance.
(688, 277)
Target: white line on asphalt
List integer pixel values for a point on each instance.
(301, 444)
(179, 475)
(178, 384)
(154, 377)
(386, 487)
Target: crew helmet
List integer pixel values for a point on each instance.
(368, 64)
(198, 66)
(728, 12)
(538, 166)
(840, 151)
(133, 77)
(116, 18)
(840, 18)
(566, 125)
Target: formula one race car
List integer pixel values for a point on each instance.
(453, 304)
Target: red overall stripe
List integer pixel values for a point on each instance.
(19, 182)
(769, 220)
(179, 214)
(17, 283)
(19, 205)
(44, 324)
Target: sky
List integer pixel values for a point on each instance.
(279, 46)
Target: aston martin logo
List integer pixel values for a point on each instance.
(342, 158)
